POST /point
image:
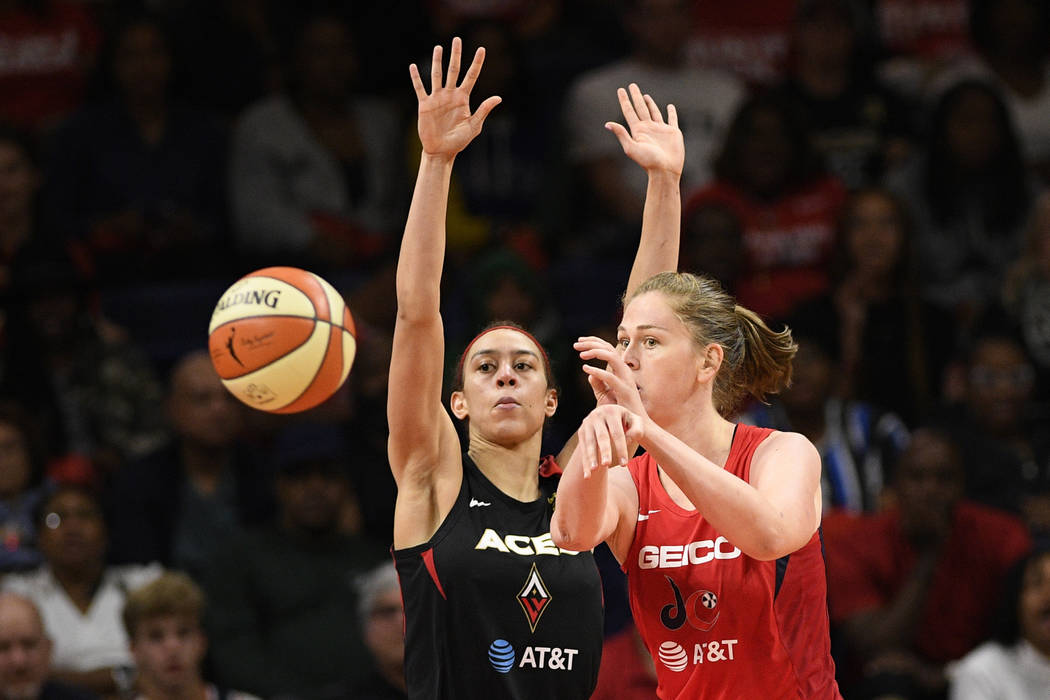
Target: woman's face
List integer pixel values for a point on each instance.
(767, 152)
(15, 466)
(505, 388)
(142, 63)
(874, 236)
(973, 130)
(72, 534)
(1034, 606)
(660, 351)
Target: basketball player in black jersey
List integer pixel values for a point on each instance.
(493, 609)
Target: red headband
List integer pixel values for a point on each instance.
(543, 352)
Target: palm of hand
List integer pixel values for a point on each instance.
(445, 125)
(657, 145)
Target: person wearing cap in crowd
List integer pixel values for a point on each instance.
(282, 619)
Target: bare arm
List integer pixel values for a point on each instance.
(659, 148)
(596, 505)
(423, 446)
(776, 514)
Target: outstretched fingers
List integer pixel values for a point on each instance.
(654, 110)
(478, 118)
(417, 82)
(475, 70)
(435, 69)
(629, 113)
(638, 101)
(453, 62)
(672, 116)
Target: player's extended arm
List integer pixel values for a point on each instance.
(659, 148)
(419, 425)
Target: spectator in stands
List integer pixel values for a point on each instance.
(1005, 446)
(912, 588)
(970, 195)
(138, 176)
(875, 309)
(315, 173)
(919, 39)
(858, 125)
(283, 617)
(770, 177)
(614, 188)
(79, 596)
(858, 443)
(25, 655)
(383, 619)
(20, 181)
(1026, 293)
(228, 52)
(49, 51)
(711, 235)
(176, 505)
(163, 623)
(1012, 40)
(90, 387)
(1015, 663)
(21, 488)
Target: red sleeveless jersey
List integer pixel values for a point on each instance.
(718, 623)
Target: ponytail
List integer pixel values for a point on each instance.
(765, 365)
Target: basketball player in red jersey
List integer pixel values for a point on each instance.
(717, 523)
(492, 607)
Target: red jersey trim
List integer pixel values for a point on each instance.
(428, 561)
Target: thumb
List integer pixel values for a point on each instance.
(621, 134)
(483, 110)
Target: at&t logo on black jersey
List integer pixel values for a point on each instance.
(504, 657)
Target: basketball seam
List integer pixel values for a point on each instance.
(320, 365)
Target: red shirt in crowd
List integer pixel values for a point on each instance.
(45, 58)
(788, 242)
(712, 617)
(928, 29)
(869, 560)
(750, 39)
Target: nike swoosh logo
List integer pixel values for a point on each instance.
(645, 516)
(474, 503)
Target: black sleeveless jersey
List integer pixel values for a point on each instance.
(493, 608)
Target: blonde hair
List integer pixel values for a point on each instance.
(756, 360)
(172, 593)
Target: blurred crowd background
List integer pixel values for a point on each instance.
(872, 173)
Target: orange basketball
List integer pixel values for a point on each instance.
(282, 339)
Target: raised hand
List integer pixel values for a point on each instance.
(651, 143)
(446, 125)
(614, 384)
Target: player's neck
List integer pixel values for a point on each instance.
(513, 470)
(706, 431)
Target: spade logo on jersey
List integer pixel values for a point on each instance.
(534, 597)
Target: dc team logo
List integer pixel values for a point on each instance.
(501, 655)
(534, 597)
(699, 609)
